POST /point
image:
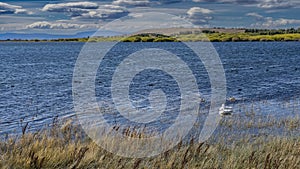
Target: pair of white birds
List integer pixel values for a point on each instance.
(225, 110)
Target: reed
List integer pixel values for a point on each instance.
(64, 145)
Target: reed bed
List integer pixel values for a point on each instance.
(65, 145)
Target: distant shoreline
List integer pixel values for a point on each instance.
(188, 35)
(216, 37)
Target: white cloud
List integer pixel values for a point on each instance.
(132, 2)
(104, 12)
(49, 25)
(255, 15)
(12, 9)
(199, 15)
(269, 22)
(196, 10)
(265, 4)
(88, 10)
(275, 4)
(72, 8)
(22, 11)
(67, 7)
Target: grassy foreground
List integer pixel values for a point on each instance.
(64, 146)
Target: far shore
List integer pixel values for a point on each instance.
(216, 37)
(188, 35)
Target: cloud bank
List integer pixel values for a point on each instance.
(265, 4)
(199, 15)
(104, 12)
(12, 9)
(49, 25)
(72, 8)
(87, 10)
(269, 22)
(275, 4)
(66, 7)
(131, 2)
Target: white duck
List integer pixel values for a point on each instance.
(225, 110)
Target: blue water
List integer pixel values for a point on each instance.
(36, 79)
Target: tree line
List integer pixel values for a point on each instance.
(273, 31)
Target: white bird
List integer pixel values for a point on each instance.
(225, 110)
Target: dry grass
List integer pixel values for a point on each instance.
(260, 122)
(64, 146)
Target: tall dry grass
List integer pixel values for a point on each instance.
(65, 146)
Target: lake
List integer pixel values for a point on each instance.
(36, 79)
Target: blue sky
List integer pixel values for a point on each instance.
(64, 17)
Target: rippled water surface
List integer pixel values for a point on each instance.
(36, 79)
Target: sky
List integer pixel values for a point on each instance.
(65, 17)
